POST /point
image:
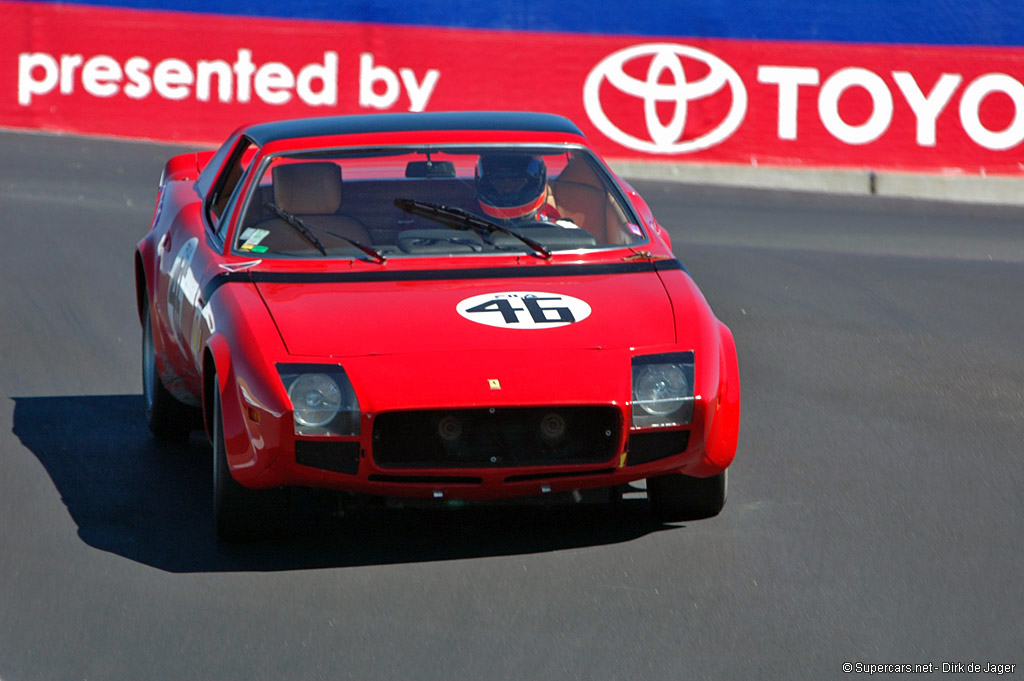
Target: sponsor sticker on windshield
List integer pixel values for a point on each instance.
(253, 237)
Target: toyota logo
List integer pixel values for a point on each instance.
(676, 91)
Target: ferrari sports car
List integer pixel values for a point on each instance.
(441, 306)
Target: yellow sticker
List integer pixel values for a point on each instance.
(494, 384)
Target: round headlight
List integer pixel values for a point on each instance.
(315, 398)
(661, 389)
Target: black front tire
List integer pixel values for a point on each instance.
(240, 513)
(678, 497)
(168, 419)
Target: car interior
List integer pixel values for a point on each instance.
(387, 202)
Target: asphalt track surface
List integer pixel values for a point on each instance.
(875, 511)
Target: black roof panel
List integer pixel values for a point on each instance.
(402, 122)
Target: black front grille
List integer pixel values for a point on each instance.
(427, 479)
(462, 438)
(531, 477)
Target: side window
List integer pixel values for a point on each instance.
(229, 181)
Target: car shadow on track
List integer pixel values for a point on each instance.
(151, 502)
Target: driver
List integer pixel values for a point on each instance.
(514, 187)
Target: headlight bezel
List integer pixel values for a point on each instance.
(666, 403)
(337, 415)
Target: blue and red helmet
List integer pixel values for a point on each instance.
(511, 186)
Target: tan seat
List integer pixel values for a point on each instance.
(579, 195)
(583, 204)
(311, 191)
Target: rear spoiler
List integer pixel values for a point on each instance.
(185, 167)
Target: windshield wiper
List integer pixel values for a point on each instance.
(458, 218)
(306, 230)
(296, 224)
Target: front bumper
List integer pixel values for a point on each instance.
(500, 453)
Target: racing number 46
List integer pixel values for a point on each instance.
(540, 315)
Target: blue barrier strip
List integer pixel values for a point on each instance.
(925, 22)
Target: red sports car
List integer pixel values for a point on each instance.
(453, 306)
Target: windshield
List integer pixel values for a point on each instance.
(418, 201)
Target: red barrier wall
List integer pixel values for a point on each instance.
(184, 77)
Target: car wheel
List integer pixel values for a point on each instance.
(167, 418)
(240, 513)
(682, 497)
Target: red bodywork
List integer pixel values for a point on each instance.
(395, 330)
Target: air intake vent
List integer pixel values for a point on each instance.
(490, 438)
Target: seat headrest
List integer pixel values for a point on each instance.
(308, 188)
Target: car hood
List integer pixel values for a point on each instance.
(335, 318)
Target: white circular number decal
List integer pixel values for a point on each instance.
(524, 310)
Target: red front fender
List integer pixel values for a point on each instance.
(721, 440)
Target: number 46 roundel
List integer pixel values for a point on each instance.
(524, 309)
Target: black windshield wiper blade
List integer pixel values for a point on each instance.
(296, 224)
(306, 230)
(464, 220)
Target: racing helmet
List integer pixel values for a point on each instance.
(510, 186)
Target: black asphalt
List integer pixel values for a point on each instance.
(874, 512)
